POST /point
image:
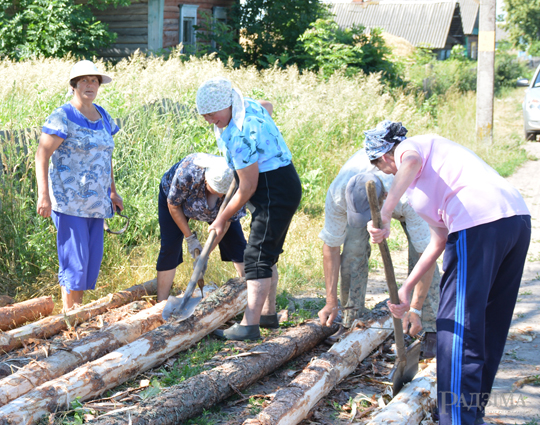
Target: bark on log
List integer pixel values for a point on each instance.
(292, 404)
(181, 402)
(26, 311)
(111, 370)
(412, 402)
(5, 299)
(52, 325)
(86, 350)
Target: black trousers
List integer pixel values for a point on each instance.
(272, 208)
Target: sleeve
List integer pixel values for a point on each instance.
(335, 222)
(180, 186)
(244, 148)
(409, 145)
(57, 124)
(112, 124)
(418, 229)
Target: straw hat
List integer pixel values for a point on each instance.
(87, 68)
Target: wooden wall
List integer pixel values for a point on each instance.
(172, 15)
(131, 25)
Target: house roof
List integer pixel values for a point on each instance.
(421, 22)
(469, 14)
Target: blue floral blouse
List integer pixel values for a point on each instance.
(259, 141)
(184, 184)
(80, 169)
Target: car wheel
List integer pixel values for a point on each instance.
(530, 137)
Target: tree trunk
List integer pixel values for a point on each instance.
(27, 311)
(52, 325)
(292, 404)
(83, 351)
(113, 369)
(412, 402)
(181, 402)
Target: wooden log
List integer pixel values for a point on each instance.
(62, 361)
(52, 325)
(26, 311)
(111, 370)
(292, 404)
(5, 299)
(410, 405)
(181, 402)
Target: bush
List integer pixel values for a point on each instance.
(52, 28)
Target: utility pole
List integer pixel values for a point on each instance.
(486, 71)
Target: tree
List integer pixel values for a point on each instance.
(267, 30)
(523, 24)
(52, 28)
(328, 48)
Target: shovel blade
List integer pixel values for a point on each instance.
(172, 308)
(404, 371)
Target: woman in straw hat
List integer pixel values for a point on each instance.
(194, 189)
(77, 188)
(268, 182)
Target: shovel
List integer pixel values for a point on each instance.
(183, 307)
(406, 365)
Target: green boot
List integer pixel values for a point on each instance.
(269, 321)
(239, 333)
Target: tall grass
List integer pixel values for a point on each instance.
(322, 122)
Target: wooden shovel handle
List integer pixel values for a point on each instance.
(388, 267)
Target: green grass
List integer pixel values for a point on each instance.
(322, 122)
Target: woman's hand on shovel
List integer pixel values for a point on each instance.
(399, 310)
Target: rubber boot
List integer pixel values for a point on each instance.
(429, 346)
(269, 321)
(239, 333)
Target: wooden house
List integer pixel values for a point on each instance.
(153, 25)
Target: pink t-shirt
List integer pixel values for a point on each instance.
(455, 188)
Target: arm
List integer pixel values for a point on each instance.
(180, 219)
(115, 197)
(249, 178)
(410, 166)
(439, 235)
(331, 265)
(48, 143)
(267, 105)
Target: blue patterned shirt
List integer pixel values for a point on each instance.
(259, 141)
(185, 185)
(80, 168)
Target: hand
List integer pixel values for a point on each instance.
(399, 310)
(328, 314)
(413, 320)
(378, 235)
(220, 227)
(193, 244)
(117, 201)
(44, 206)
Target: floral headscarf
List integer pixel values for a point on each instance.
(217, 94)
(383, 138)
(217, 173)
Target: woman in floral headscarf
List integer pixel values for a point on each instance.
(267, 181)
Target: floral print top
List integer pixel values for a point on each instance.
(184, 184)
(259, 141)
(80, 169)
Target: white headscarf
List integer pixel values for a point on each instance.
(217, 173)
(217, 94)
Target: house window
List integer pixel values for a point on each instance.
(474, 50)
(219, 14)
(187, 33)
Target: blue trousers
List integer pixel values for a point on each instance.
(79, 241)
(483, 267)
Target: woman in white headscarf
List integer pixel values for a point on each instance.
(267, 181)
(194, 188)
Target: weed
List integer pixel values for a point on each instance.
(537, 277)
(255, 405)
(526, 293)
(282, 300)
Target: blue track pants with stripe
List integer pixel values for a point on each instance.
(483, 267)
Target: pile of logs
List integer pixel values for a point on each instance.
(119, 352)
